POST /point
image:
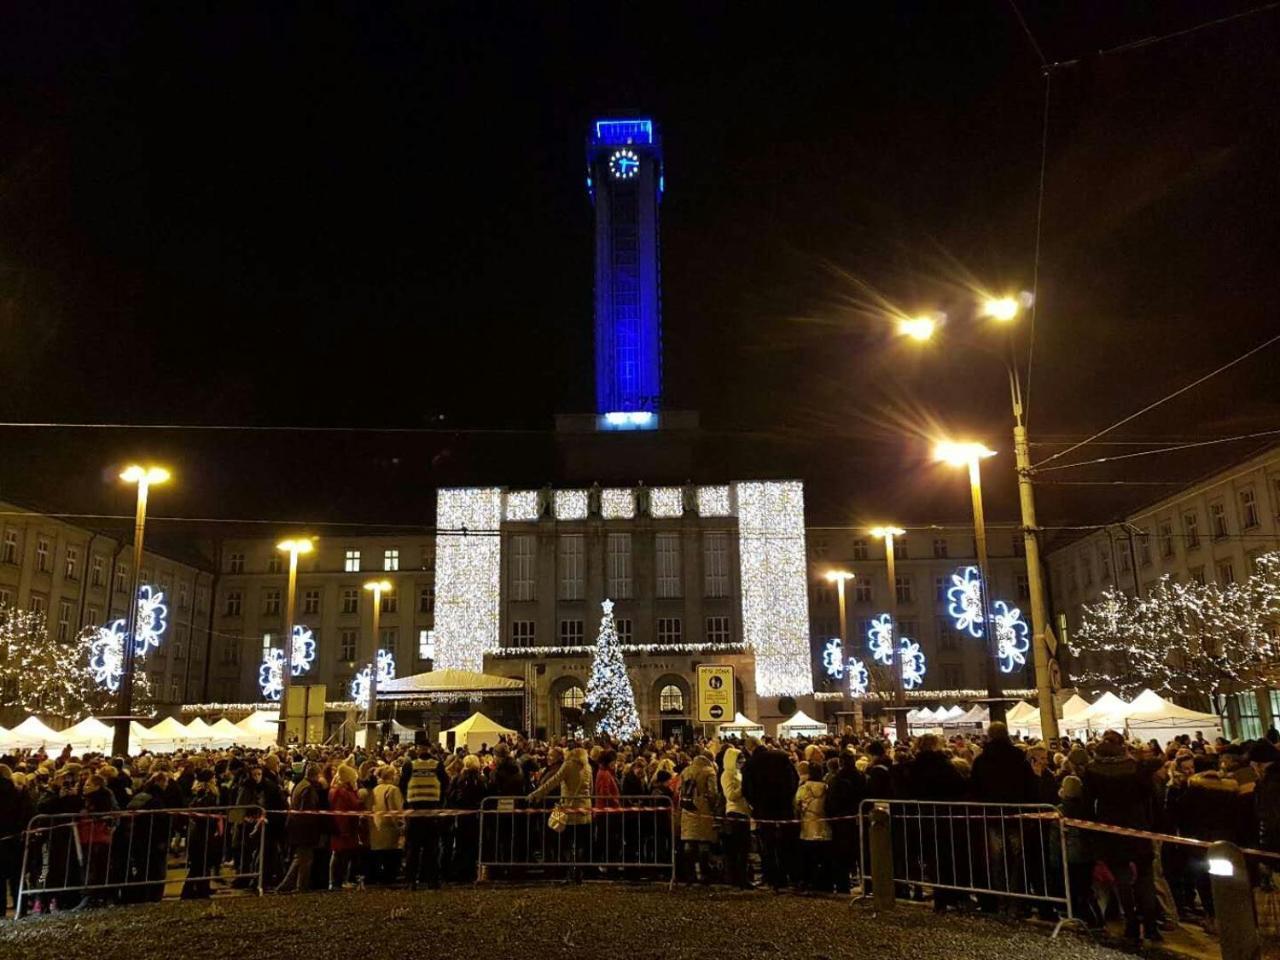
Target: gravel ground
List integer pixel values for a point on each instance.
(540, 922)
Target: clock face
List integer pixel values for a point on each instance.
(624, 164)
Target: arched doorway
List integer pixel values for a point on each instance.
(568, 695)
(675, 707)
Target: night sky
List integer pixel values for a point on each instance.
(375, 216)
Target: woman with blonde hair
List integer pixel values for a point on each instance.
(571, 816)
(386, 827)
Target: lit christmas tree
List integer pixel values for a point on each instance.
(610, 700)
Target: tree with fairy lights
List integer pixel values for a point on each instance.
(610, 701)
(1200, 639)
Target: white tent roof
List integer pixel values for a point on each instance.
(478, 724)
(1019, 713)
(952, 712)
(1107, 711)
(224, 733)
(801, 721)
(260, 722)
(740, 722)
(975, 714)
(1075, 706)
(169, 729)
(32, 733)
(1149, 707)
(89, 734)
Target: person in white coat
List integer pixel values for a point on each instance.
(737, 823)
(815, 830)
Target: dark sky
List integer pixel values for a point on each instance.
(374, 215)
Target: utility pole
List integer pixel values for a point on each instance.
(1035, 581)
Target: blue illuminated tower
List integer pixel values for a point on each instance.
(625, 180)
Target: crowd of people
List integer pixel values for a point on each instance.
(776, 813)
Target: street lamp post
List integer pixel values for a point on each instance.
(838, 577)
(145, 478)
(899, 692)
(378, 588)
(972, 455)
(293, 547)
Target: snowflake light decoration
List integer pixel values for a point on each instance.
(965, 596)
(152, 620)
(360, 682)
(271, 674)
(880, 639)
(913, 665)
(859, 677)
(1012, 636)
(833, 658)
(304, 649)
(106, 655)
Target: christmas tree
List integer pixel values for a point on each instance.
(610, 700)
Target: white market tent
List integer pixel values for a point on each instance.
(977, 715)
(741, 726)
(801, 725)
(259, 728)
(198, 733)
(953, 711)
(1074, 707)
(1108, 712)
(165, 737)
(474, 732)
(90, 735)
(406, 734)
(1150, 716)
(224, 733)
(31, 734)
(1019, 712)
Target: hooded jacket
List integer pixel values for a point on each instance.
(811, 808)
(731, 784)
(697, 801)
(573, 779)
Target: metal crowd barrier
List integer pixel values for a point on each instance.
(628, 833)
(135, 856)
(988, 850)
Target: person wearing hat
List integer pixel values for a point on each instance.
(204, 837)
(1266, 793)
(344, 832)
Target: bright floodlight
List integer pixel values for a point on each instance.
(1003, 309)
(960, 454)
(837, 575)
(882, 532)
(917, 328)
(296, 545)
(147, 475)
(1220, 867)
(379, 586)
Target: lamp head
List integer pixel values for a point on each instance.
(378, 586)
(917, 328)
(1002, 309)
(148, 475)
(883, 532)
(960, 454)
(835, 576)
(296, 545)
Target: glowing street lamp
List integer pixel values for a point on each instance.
(971, 455)
(917, 328)
(377, 588)
(294, 546)
(887, 534)
(1002, 309)
(145, 478)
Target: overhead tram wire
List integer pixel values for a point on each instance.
(1191, 445)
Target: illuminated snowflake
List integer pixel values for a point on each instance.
(360, 682)
(833, 658)
(880, 639)
(859, 677)
(304, 649)
(106, 655)
(271, 673)
(1012, 636)
(965, 596)
(913, 665)
(152, 620)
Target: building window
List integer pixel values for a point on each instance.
(231, 606)
(1086, 570)
(1218, 520)
(667, 552)
(1023, 586)
(623, 625)
(1144, 547)
(715, 564)
(1166, 539)
(235, 563)
(569, 559)
(426, 645)
(348, 640)
(952, 676)
(389, 639)
(1197, 574)
(820, 548)
(311, 601)
(522, 567)
(717, 630)
(184, 596)
(671, 699)
(72, 564)
(940, 587)
(1248, 508)
(267, 642)
(860, 550)
(271, 603)
(427, 599)
(10, 554)
(177, 650)
(42, 554)
(174, 695)
(39, 604)
(946, 634)
(900, 550)
(1104, 564)
(522, 633)
(275, 563)
(1226, 573)
(92, 614)
(1123, 559)
(427, 559)
(940, 548)
(902, 588)
(571, 633)
(202, 598)
(351, 561)
(1191, 531)
(391, 559)
(573, 698)
(64, 620)
(390, 603)
(862, 590)
(230, 650)
(350, 600)
(6, 597)
(618, 555)
(144, 575)
(1019, 545)
(669, 630)
(1248, 724)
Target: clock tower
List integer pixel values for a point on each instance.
(625, 181)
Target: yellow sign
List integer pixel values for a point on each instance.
(715, 693)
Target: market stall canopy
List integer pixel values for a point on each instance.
(259, 728)
(165, 737)
(198, 732)
(1074, 707)
(224, 733)
(32, 734)
(800, 725)
(1150, 716)
(741, 726)
(473, 733)
(1019, 713)
(977, 715)
(90, 735)
(449, 684)
(406, 734)
(1107, 712)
